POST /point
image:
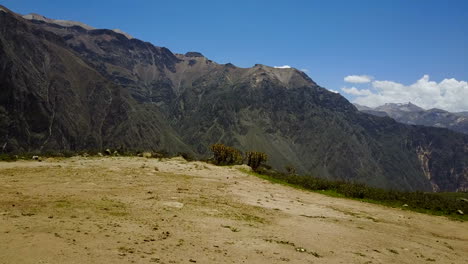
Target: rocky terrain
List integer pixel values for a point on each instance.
(414, 115)
(138, 210)
(68, 88)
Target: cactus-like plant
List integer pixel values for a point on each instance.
(225, 155)
(255, 159)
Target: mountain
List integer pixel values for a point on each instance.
(64, 23)
(414, 115)
(67, 23)
(65, 87)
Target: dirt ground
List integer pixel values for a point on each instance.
(137, 210)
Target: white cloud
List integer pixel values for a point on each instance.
(305, 70)
(449, 94)
(283, 67)
(333, 91)
(358, 79)
(355, 91)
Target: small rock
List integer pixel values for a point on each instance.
(300, 249)
(460, 212)
(27, 214)
(35, 157)
(107, 152)
(100, 154)
(405, 205)
(147, 155)
(174, 204)
(192, 260)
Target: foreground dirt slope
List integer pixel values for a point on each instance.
(136, 210)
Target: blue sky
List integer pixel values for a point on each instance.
(389, 40)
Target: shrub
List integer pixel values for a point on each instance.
(290, 169)
(255, 159)
(186, 156)
(8, 157)
(162, 154)
(146, 154)
(225, 155)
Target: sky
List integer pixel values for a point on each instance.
(370, 51)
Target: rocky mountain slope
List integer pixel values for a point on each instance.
(70, 88)
(413, 115)
(67, 23)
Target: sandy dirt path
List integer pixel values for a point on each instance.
(136, 210)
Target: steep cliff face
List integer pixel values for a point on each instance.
(55, 99)
(442, 157)
(424, 156)
(67, 87)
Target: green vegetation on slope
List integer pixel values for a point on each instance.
(446, 204)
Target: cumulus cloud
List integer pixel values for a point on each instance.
(358, 79)
(333, 91)
(283, 67)
(449, 94)
(355, 91)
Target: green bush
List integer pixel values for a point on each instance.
(225, 155)
(290, 169)
(8, 157)
(162, 154)
(255, 159)
(186, 156)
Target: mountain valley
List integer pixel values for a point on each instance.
(65, 87)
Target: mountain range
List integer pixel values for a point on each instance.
(414, 115)
(65, 86)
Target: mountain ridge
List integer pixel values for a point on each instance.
(415, 115)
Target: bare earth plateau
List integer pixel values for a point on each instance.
(137, 210)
